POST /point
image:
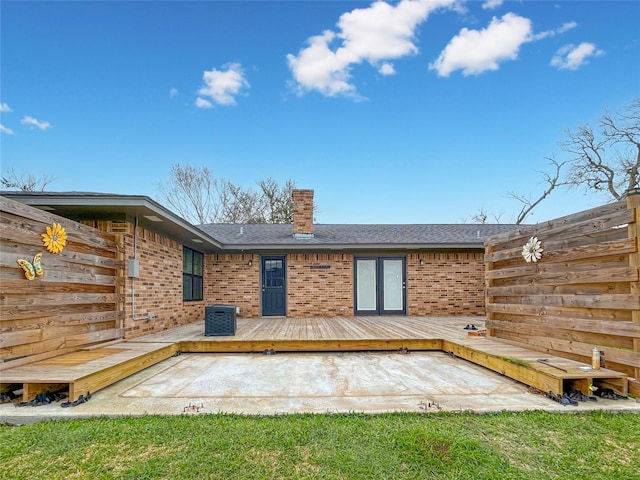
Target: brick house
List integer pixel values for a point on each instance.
(174, 268)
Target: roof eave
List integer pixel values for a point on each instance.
(352, 246)
(133, 206)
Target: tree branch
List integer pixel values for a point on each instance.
(552, 181)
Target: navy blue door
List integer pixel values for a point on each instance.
(274, 286)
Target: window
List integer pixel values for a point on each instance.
(192, 263)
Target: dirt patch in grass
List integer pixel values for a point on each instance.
(125, 455)
(305, 465)
(439, 449)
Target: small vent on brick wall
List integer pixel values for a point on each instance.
(119, 227)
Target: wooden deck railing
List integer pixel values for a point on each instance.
(76, 303)
(583, 292)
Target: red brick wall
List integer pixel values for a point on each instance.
(319, 292)
(230, 279)
(158, 289)
(447, 284)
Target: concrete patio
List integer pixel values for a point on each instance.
(337, 382)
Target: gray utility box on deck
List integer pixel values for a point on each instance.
(219, 320)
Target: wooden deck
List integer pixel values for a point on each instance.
(94, 368)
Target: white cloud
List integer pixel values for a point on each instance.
(491, 4)
(202, 103)
(5, 108)
(317, 67)
(387, 69)
(374, 34)
(571, 57)
(41, 124)
(567, 26)
(476, 51)
(222, 85)
(6, 130)
(173, 92)
(550, 33)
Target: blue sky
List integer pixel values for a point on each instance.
(399, 112)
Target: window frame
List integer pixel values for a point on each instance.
(190, 277)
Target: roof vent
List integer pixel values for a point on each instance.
(301, 236)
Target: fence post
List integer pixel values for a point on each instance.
(120, 282)
(488, 283)
(633, 203)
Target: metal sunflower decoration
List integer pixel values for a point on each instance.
(55, 239)
(532, 250)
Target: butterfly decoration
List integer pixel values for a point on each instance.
(32, 269)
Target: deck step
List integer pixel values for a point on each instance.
(555, 374)
(87, 370)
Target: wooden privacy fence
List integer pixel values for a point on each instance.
(77, 301)
(583, 292)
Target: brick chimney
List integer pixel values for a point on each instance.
(302, 213)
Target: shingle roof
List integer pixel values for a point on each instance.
(355, 235)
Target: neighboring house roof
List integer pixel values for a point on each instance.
(257, 236)
(337, 236)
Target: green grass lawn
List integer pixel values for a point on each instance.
(533, 445)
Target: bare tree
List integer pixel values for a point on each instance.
(277, 201)
(191, 193)
(528, 202)
(483, 216)
(607, 159)
(271, 203)
(25, 182)
(196, 195)
(552, 181)
(238, 205)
